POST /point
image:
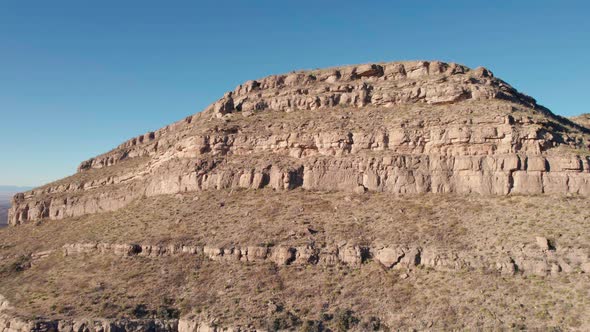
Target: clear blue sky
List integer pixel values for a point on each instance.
(79, 77)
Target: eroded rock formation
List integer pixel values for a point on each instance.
(411, 127)
(539, 260)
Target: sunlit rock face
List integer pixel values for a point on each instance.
(402, 128)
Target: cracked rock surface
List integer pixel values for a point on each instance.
(386, 196)
(410, 127)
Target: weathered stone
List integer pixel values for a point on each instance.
(369, 70)
(389, 256)
(352, 255)
(542, 242)
(307, 255)
(283, 255)
(213, 253)
(521, 259)
(427, 148)
(506, 266)
(256, 253)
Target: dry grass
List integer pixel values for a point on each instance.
(266, 296)
(265, 216)
(259, 294)
(582, 119)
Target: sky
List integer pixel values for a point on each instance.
(77, 78)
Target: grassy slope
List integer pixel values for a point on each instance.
(107, 286)
(582, 119)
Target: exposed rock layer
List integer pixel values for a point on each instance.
(410, 127)
(540, 260)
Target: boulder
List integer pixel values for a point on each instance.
(388, 257)
(542, 243)
(283, 255)
(369, 70)
(352, 255)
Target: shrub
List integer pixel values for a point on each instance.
(20, 264)
(165, 312)
(312, 326)
(283, 321)
(140, 311)
(372, 324)
(345, 320)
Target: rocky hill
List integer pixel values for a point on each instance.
(414, 127)
(6, 194)
(392, 196)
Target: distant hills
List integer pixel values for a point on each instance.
(6, 193)
(13, 189)
(4, 206)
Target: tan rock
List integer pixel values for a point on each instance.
(283, 255)
(506, 266)
(255, 253)
(360, 189)
(389, 257)
(458, 133)
(213, 253)
(542, 242)
(369, 70)
(352, 255)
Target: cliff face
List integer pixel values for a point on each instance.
(411, 127)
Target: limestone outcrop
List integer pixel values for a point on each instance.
(403, 128)
(540, 260)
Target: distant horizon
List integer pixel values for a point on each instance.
(79, 79)
(12, 189)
